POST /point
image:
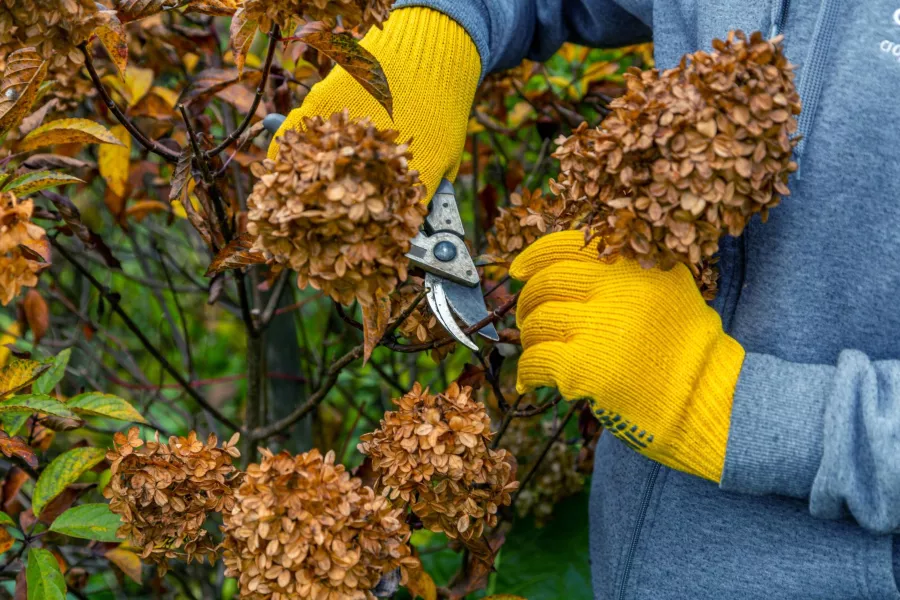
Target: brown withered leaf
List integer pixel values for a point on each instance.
(21, 592)
(216, 8)
(133, 10)
(72, 217)
(140, 209)
(37, 250)
(64, 501)
(181, 178)
(37, 314)
(209, 82)
(24, 74)
(12, 483)
(15, 446)
(375, 322)
(361, 64)
(43, 162)
(243, 30)
(235, 255)
(474, 575)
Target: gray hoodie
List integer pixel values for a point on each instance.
(810, 495)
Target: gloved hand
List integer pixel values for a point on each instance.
(432, 68)
(641, 344)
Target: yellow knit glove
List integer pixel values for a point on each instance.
(432, 67)
(641, 344)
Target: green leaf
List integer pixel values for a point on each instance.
(89, 522)
(36, 181)
(13, 421)
(36, 403)
(63, 471)
(105, 405)
(6, 520)
(45, 581)
(46, 382)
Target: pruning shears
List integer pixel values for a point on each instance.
(453, 286)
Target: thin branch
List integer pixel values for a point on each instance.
(148, 345)
(550, 441)
(274, 35)
(307, 407)
(272, 306)
(154, 147)
(507, 419)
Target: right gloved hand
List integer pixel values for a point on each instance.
(432, 67)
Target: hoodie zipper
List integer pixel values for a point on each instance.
(813, 75)
(638, 526)
(779, 16)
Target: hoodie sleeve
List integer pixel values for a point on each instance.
(507, 31)
(829, 433)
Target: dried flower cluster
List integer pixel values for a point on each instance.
(55, 28)
(434, 451)
(557, 476)
(686, 155)
(421, 326)
(303, 528)
(18, 268)
(164, 492)
(529, 216)
(288, 14)
(339, 206)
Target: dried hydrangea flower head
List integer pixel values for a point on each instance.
(339, 206)
(302, 527)
(165, 492)
(289, 13)
(55, 28)
(686, 155)
(529, 216)
(557, 476)
(434, 452)
(17, 269)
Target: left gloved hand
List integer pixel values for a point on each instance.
(641, 344)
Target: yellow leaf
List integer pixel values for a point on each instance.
(114, 38)
(421, 584)
(574, 53)
(190, 61)
(560, 81)
(113, 161)
(6, 540)
(178, 209)
(68, 131)
(138, 82)
(12, 333)
(598, 71)
(474, 126)
(520, 113)
(128, 561)
(170, 97)
(18, 374)
(22, 79)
